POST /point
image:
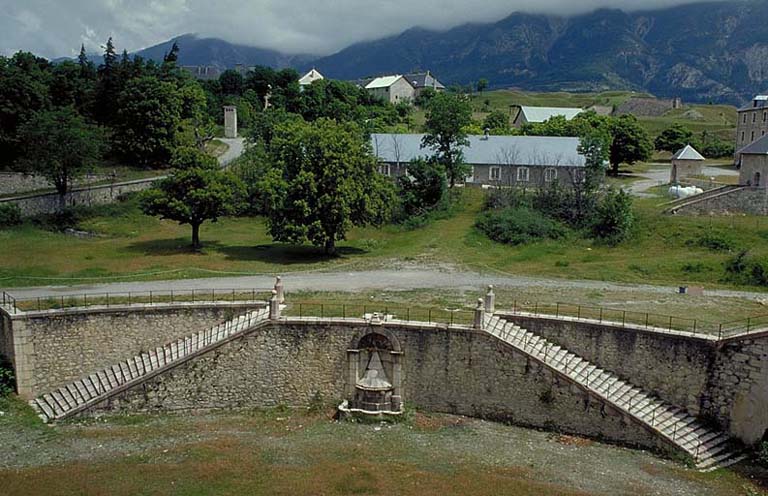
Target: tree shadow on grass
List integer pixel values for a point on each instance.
(285, 254)
(276, 253)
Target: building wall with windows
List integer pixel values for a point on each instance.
(752, 123)
(526, 175)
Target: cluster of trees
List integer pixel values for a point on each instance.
(264, 89)
(677, 136)
(59, 119)
(624, 139)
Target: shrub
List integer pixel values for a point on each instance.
(517, 226)
(7, 380)
(747, 270)
(423, 188)
(614, 218)
(713, 241)
(10, 215)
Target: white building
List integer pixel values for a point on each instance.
(528, 115)
(393, 89)
(310, 77)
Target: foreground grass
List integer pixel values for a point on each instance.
(283, 451)
(663, 250)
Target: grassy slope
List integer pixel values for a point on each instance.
(133, 243)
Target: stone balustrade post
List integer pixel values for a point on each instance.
(280, 290)
(479, 314)
(490, 301)
(274, 306)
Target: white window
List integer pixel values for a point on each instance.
(495, 174)
(522, 174)
(550, 175)
(754, 117)
(742, 136)
(384, 169)
(744, 120)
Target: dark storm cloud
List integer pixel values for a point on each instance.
(58, 28)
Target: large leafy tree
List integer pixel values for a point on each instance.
(423, 187)
(197, 190)
(674, 138)
(60, 146)
(148, 118)
(323, 181)
(630, 142)
(447, 116)
(23, 91)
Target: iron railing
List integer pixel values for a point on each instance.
(431, 315)
(647, 320)
(130, 298)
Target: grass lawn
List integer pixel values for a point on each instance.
(296, 452)
(663, 250)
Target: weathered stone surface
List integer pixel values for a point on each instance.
(458, 371)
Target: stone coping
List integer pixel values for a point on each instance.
(79, 189)
(135, 307)
(412, 324)
(615, 325)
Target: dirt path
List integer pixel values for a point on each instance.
(406, 278)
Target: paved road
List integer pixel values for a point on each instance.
(384, 279)
(660, 175)
(236, 148)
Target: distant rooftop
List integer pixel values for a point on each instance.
(759, 147)
(760, 101)
(687, 153)
(424, 80)
(541, 114)
(310, 77)
(383, 82)
(501, 150)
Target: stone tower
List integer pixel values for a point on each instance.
(230, 121)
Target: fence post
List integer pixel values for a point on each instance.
(150, 297)
(601, 314)
(38, 303)
(274, 306)
(578, 312)
(171, 296)
(85, 300)
(670, 322)
(479, 314)
(233, 296)
(343, 311)
(720, 332)
(322, 310)
(213, 295)
(429, 316)
(129, 298)
(557, 309)
(694, 326)
(408, 314)
(490, 300)
(749, 320)
(646, 320)
(623, 318)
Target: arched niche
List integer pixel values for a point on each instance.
(374, 379)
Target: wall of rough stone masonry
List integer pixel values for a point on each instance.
(46, 203)
(676, 368)
(455, 371)
(6, 338)
(739, 201)
(738, 396)
(66, 345)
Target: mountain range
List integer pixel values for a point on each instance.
(701, 52)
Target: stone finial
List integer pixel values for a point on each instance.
(274, 306)
(279, 289)
(479, 314)
(490, 300)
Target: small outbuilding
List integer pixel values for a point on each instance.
(686, 162)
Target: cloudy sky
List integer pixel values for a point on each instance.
(53, 28)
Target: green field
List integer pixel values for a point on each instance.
(663, 249)
(718, 119)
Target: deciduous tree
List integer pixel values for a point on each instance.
(447, 116)
(197, 190)
(323, 181)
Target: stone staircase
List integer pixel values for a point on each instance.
(710, 449)
(95, 388)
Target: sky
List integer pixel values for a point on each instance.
(54, 28)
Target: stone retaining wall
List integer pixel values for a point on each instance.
(674, 367)
(753, 201)
(725, 382)
(46, 203)
(61, 346)
(459, 371)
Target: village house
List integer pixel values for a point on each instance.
(393, 89)
(422, 80)
(531, 115)
(529, 161)
(310, 77)
(752, 123)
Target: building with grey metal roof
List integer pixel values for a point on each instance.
(752, 123)
(529, 115)
(509, 160)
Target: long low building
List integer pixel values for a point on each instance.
(495, 160)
